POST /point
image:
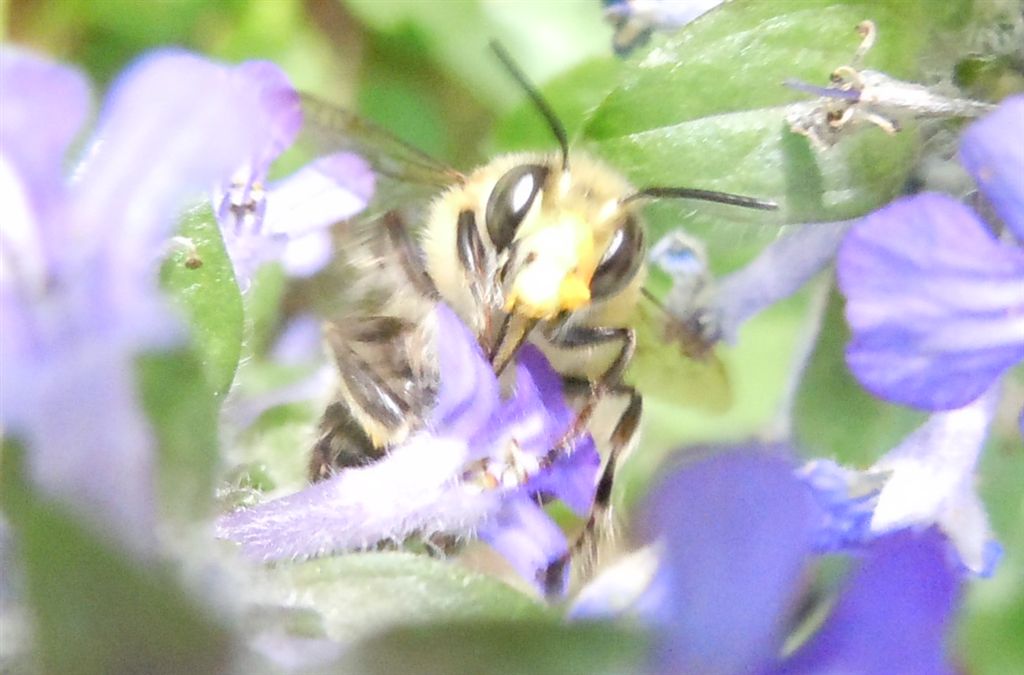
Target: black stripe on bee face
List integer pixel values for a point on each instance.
(470, 247)
(510, 201)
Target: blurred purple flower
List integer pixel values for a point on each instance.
(288, 221)
(736, 536)
(479, 468)
(635, 20)
(928, 479)
(79, 298)
(934, 300)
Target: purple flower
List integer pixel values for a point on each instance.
(79, 298)
(479, 468)
(736, 536)
(716, 311)
(928, 479)
(635, 20)
(934, 300)
(288, 221)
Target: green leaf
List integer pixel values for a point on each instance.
(359, 594)
(544, 38)
(183, 412)
(573, 95)
(201, 280)
(95, 610)
(503, 647)
(833, 416)
(707, 109)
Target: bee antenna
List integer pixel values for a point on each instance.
(703, 195)
(549, 115)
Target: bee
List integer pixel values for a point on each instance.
(545, 248)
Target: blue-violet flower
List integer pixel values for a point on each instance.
(935, 301)
(736, 535)
(928, 479)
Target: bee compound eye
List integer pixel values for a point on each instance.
(621, 260)
(510, 201)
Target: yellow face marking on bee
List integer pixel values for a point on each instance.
(557, 276)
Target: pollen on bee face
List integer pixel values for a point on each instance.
(558, 275)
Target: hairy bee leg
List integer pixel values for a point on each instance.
(585, 547)
(620, 440)
(342, 443)
(409, 256)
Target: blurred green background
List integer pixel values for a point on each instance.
(423, 71)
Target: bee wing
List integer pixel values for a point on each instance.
(671, 363)
(405, 174)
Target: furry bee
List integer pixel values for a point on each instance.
(546, 248)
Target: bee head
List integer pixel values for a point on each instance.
(565, 239)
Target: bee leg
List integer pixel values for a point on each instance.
(342, 443)
(409, 255)
(575, 337)
(599, 522)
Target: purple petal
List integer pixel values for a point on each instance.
(45, 105)
(300, 342)
(893, 616)
(537, 418)
(992, 150)
(468, 396)
(931, 481)
(528, 539)
(928, 479)
(290, 219)
(174, 125)
(413, 491)
(935, 304)
(737, 529)
(325, 192)
(89, 442)
(847, 498)
(306, 255)
(779, 271)
(277, 101)
(572, 478)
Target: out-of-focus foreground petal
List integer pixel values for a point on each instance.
(174, 124)
(992, 149)
(412, 491)
(634, 20)
(45, 105)
(892, 617)
(737, 530)
(936, 305)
